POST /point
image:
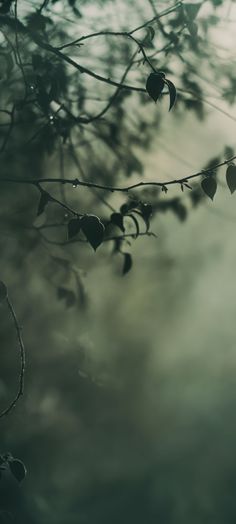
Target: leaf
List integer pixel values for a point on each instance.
(231, 177)
(43, 201)
(151, 32)
(75, 10)
(128, 262)
(117, 245)
(147, 42)
(74, 226)
(125, 208)
(136, 224)
(17, 469)
(93, 230)
(118, 220)
(146, 211)
(38, 22)
(193, 28)
(155, 85)
(192, 10)
(209, 186)
(3, 291)
(172, 92)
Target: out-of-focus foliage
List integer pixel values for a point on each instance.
(76, 100)
(85, 90)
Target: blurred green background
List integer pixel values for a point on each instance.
(129, 408)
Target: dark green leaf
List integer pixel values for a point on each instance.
(151, 32)
(172, 92)
(192, 10)
(127, 263)
(193, 28)
(93, 230)
(75, 10)
(136, 224)
(209, 186)
(38, 22)
(3, 291)
(147, 42)
(125, 208)
(231, 177)
(17, 469)
(74, 227)
(146, 211)
(118, 220)
(155, 85)
(43, 201)
(117, 245)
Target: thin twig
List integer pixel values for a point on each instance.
(120, 33)
(106, 239)
(76, 182)
(22, 361)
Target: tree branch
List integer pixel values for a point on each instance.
(76, 182)
(22, 360)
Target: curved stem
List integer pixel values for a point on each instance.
(76, 182)
(20, 391)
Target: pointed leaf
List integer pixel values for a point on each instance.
(74, 226)
(136, 224)
(231, 177)
(147, 42)
(209, 186)
(172, 92)
(93, 230)
(192, 10)
(128, 262)
(146, 211)
(151, 32)
(17, 469)
(3, 291)
(118, 220)
(193, 28)
(43, 201)
(155, 85)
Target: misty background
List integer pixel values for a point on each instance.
(129, 406)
